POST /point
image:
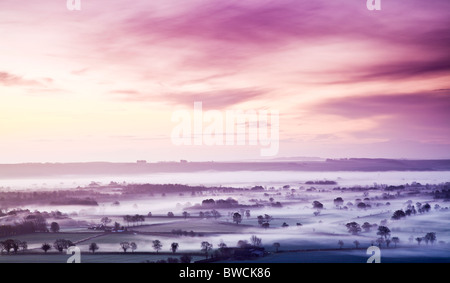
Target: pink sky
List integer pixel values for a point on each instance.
(101, 84)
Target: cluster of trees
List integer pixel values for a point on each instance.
(134, 219)
(30, 224)
(411, 210)
(428, 238)
(12, 244)
(227, 203)
(263, 221)
(180, 232)
(208, 214)
(59, 245)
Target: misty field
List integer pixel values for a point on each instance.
(313, 221)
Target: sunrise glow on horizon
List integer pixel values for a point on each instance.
(102, 83)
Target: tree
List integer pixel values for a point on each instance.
(430, 237)
(338, 201)
(133, 246)
(340, 243)
(380, 241)
(62, 244)
(174, 247)
(361, 205)
(265, 225)
(277, 246)
(157, 246)
(127, 218)
(222, 246)
(366, 226)
(125, 246)
(399, 214)
(93, 247)
(185, 214)
(237, 218)
(395, 240)
(54, 227)
(356, 242)
(353, 228)
(255, 241)
(260, 220)
(10, 244)
(45, 247)
(206, 247)
(388, 242)
(317, 205)
(384, 231)
(419, 239)
(426, 207)
(170, 214)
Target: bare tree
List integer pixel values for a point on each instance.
(255, 241)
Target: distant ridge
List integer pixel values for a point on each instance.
(28, 170)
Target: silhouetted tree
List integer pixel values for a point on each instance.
(45, 247)
(340, 243)
(54, 227)
(317, 205)
(157, 246)
(398, 214)
(93, 247)
(125, 246)
(133, 246)
(206, 247)
(419, 240)
(338, 201)
(255, 241)
(356, 242)
(395, 240)
(237, 218)
(174, 247)
(353, 228)
(384, 231)
(62, 244)
(366, 226)
(430, 237)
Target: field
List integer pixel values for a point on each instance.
(302, 231)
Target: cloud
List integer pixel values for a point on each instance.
(417, 116)
(218, 99)
(9, 79)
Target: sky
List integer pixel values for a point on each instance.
(103, 83)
